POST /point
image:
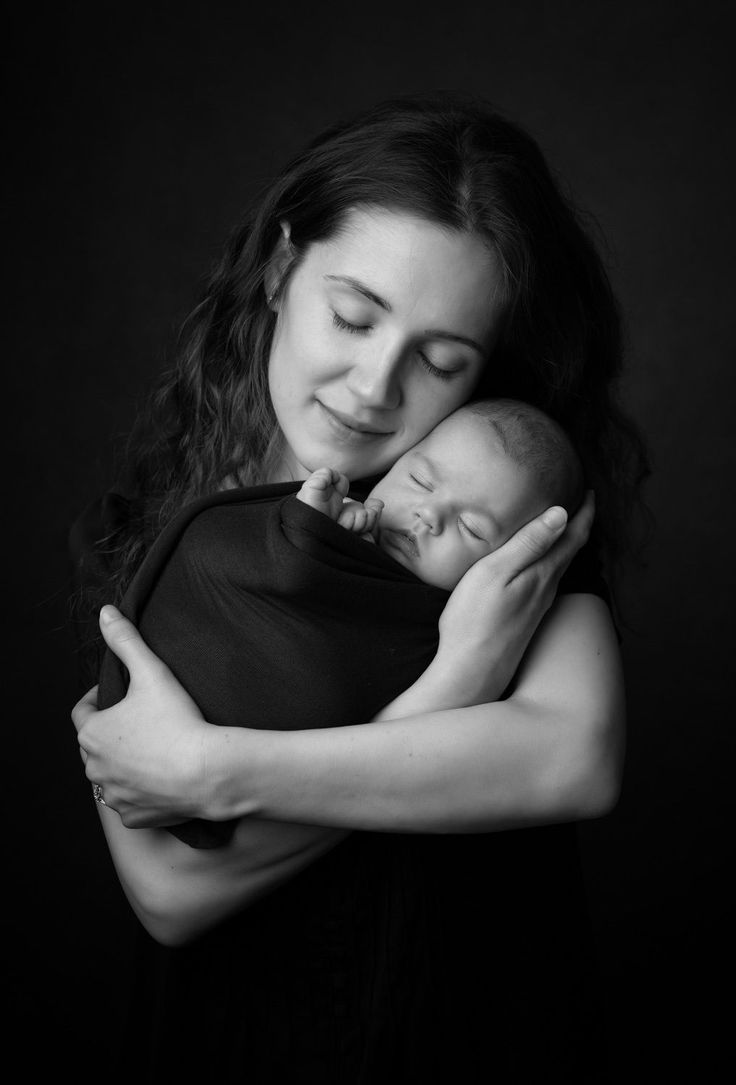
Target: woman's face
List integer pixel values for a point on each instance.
(381, 332)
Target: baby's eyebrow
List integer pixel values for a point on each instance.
(426, 462)
(427, 466)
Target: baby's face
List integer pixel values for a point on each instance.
(452, 499)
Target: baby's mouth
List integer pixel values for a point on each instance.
(403, 541)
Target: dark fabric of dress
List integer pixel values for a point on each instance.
(394, 958)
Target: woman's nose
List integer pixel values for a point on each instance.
(375, 381)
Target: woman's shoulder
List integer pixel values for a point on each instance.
(585, 574)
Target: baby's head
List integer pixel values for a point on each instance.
(479, 476)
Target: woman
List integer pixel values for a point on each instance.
(404, 263)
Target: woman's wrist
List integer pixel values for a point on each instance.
(460, 677)
(233, 760)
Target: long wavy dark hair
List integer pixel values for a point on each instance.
(457, 163)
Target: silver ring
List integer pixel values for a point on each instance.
(97, 792)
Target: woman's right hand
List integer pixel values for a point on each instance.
(148, 752)
(496, 607)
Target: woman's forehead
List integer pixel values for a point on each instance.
(412, 264)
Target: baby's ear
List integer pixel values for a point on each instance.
(279, 263)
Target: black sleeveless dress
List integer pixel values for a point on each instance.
(394, 958)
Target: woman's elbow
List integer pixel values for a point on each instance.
(598, 792)
(166, 925)
(166, 915)
(179, 914)
(166, 933)
(591, 776)
(168, 930)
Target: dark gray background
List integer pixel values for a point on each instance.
(136, 141)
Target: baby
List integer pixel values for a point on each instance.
(479, 476)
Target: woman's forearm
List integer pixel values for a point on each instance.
(551, 751)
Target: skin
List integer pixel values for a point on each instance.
(450, 754)
(453, 499)
(355, 380)
(446, 503)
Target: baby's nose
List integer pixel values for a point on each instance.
(431, 516)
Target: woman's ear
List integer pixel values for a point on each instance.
(279, 263)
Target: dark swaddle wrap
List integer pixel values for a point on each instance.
(273, 616)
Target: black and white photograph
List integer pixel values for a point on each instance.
(371, 581)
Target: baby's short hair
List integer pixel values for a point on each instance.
(536, 442)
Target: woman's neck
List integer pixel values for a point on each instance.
(286, 468)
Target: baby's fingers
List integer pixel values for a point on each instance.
(325, 477)
(348, 514)
(373, 510)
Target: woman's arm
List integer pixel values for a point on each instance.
(179, 892)
(549, 751)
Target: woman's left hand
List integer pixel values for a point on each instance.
(495, 609)
(148, 752)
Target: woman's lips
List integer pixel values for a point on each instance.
(349, 428)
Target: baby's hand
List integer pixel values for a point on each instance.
(362, 519)
(324, 491)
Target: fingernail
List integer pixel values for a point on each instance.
(107, 614)
(555, 518)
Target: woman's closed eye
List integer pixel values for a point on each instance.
(346, 326)
(435, 370)
(361, 329)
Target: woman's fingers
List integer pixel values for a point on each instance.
(549, 541)
(530, 543)
(84, 707)
(122, 638)
(81, 712)
(574, 537)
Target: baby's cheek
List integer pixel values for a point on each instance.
(449, 566)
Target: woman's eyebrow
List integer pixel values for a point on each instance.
(431, 333)
(362, 289)
(435, 333)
